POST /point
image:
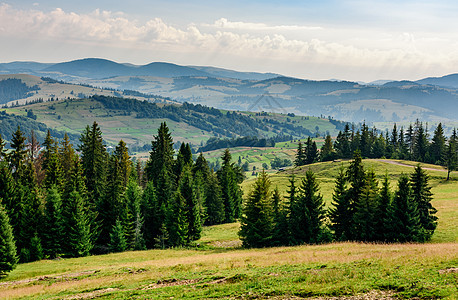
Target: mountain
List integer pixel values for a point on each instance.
(220, 72)
(450, 81)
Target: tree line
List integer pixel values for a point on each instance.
(361, 210)
(61, 201)
(412, 143)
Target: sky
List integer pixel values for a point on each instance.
(346, 40)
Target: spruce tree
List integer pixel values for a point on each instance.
(450, 158)
(192, 209)
(280, 235)
(133, 198)
(67, 155)
(177, 224)
(422, 196)
(365, 215)
(384, 210)
(300, 156)
(356, 176)
(52, 164)
(125, 164)
(154, 215)
(420, 146)
(340, 213)
(257, 218)
(8, 256)
(79, 232)
(161, 155)
(437, 147)
(213, 201)
(53, 233)
(327, 150)
(117, 239)
(405, 220)
(229, 178)
(2, 148)
(307, 212)
(342, 143)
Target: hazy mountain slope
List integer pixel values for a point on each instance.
(444, 81)
(220, 72)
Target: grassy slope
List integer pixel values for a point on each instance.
(215, 269)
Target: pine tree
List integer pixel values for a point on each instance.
(94, 159)
(356, 176)
(161, 155)
(154, 215)
(8, 257)
(420, 147)
(229, 177)
(52, 164)
(280, 235)
(300, 156)
(117, 239)
(80, 234)
(3, 155)
(327, 150)
(450, 158)
(53, 233)
(192, 209)
(422, 196)
(365, 215)
(184, 158)
(312, 152)
(437, 147)
(17, 157)
(257, 218)
(405, 220)
(177, 224)
(67, 155)
(340, 213)
(342, 143)
(307, 212)
(133, 198)
(125, 164)
(384, 210)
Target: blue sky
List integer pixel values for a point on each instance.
(352, 40)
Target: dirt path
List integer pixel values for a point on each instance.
(389, 161)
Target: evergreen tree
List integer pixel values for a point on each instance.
(342, 144)
(280, 235)
(67, 155)
(125, 164)
(192, 209)
(154, 214)
(79, 232)
(384, 210)
(327, 150)
(52, 164)
(420, 146)
(229, 178)
(422, 196)
(257, 219)
(2, 149)
(177, 224)
(312, 152)
(405, 221)
(356, 176)
(437, 147)
(364, 141)
(8, 257)
(340, 213)
(17, 157)
(307, 212)
(450, 158)
(365, 215)
(213, 201)
(94, 159)
(300, 156)
(53, 233)
(133, 198)
(161, 155)
(117, 239)
(403, 145)
(184, 158)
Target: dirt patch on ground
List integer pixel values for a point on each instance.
(91, 295)
(227, 244)
(449, 270)
(170, 282)
(372, 295)
(63, 277)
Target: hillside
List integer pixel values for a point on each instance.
(136, 121)
(216, 267)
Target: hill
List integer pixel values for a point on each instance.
(215, 267)
(450, 81)
(136, 121)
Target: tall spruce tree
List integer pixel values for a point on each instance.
(280, 235)
(52, 164)
(307, 212)
(340, 213)
(356, 176)
(230, 178)
(422, 196)
(161, 155)
(154, 214)
(118, 241)
(405, 220)
(213, 201)
(327, 150)
(257, 218)
(53, 233)
(8, 256)
(450, 158)
(437, 147)
(420, 146)
(177, 224)
(300, 156)
(134, 198)
(192, 208)
(384, 210)
(365, 215)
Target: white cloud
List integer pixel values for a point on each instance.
(334, 50)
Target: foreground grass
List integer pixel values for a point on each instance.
(409, 270)
(216, 267)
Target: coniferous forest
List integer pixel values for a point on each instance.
(58, 200)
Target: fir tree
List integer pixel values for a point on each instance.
(125, 164)
(300, 156)
(450, 158)
(184, 158)
(327, 150)
(280, 235)
(177, 224)
(3, 155)
(133, 198)
(307, 212)
(422, 196)
(192, 210)
(117, 239)
(53, 233)
(365, 215)
(153, 215)
(257, 219)
(67, 155)
(340, 213)
(8, 257)
(52, 164)
(161, 155)
(437, 147)
(17, 156)
(405, 221)
(79, 231)
(420, 147)
(213, 201)
(356, 176)
(383, 212)
(342, 143)
(229, 179)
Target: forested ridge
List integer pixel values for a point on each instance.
(55, 202)
(12, 89)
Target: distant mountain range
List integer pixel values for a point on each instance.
(429, 99)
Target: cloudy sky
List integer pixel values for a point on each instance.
(348, 39)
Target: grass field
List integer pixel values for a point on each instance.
(217, 268)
